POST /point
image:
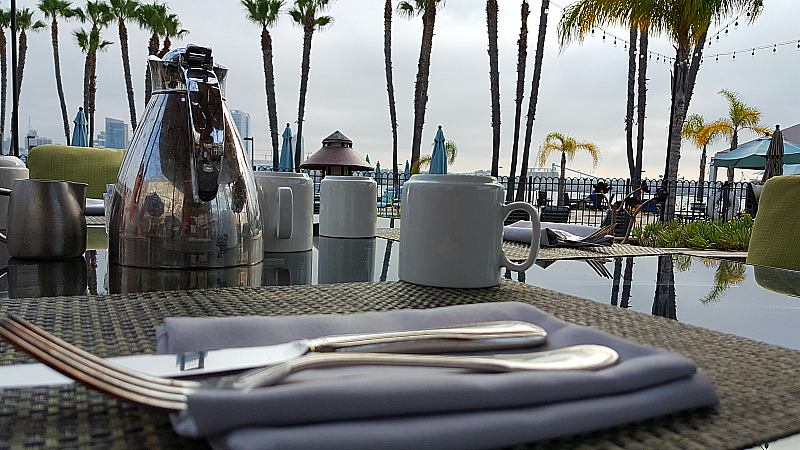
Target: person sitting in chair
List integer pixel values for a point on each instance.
(598, 196)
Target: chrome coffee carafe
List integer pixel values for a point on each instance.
(185, 196)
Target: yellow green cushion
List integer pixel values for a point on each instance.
(93, 166)
(775, 240)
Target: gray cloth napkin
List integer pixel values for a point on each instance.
(383, 407)
(556, 234)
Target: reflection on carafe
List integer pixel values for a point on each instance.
(53, 278)
(344, 260)
(124, 279)
(284, 269)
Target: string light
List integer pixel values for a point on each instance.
(734, 55)
(615, 41)
(604, 37)
(592, 32)
(775, 49)
(754, 53)
(736, 25)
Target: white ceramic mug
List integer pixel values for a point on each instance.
(451, 231)
(287, 210)
(348, 207)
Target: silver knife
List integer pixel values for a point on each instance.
(460, 338)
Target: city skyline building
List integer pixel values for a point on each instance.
(116, 134)
(242, 121)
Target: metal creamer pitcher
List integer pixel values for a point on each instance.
(185, 195)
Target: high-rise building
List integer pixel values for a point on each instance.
(116, 135)
(242, 121)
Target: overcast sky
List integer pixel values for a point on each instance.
(582, 89)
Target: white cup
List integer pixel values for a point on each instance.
(451, 231)
(11, 168)
(287, 210)
(348, 207)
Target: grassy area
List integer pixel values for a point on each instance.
(733, 234)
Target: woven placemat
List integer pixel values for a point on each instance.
(95, 220)
(756, 382)
(518, 251)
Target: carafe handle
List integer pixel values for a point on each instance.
(7, 193)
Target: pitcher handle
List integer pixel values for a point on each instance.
(535, 235)
(285, 212)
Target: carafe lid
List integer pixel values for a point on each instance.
(167, 74)
(8, 161)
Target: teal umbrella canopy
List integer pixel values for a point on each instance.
(80, 137)
(367, 158)
(378, 167)
(439, 155)
(407, 170)
(286, 163)
(753, 155)
(791, 169)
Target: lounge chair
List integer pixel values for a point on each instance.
(94, 166)
(775, 240)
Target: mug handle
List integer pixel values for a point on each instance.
(535, 235)
(7, 193)
(285, 207)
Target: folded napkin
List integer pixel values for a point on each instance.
(556, 234)
(404, 407)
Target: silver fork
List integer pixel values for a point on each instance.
(170, 394)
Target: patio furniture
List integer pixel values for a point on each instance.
(93, 166)
(775, 239)
(559, 214)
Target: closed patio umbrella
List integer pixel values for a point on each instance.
(407, 170)
(774, 164)
(80, 137)
(439, 155)
(378, 167)
(286, 163)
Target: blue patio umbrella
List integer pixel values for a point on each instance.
(286, 163)
(378, 167)
(791, 169)
(439, 155)
(753, 155)
(80, 137)
(367, 158)
(407, 170)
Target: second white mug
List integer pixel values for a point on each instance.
(348, 207)
(287, 210)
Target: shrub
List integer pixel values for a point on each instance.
(733, 234)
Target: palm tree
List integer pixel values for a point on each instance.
(450, 150)
(25, 22)
(537, 75)
(696, 131)
(172, 29)
(5, 22)
(740, 117)
(630, 106)
(265, 13)
(685, 22)
(522, 57)
(641, 103)
(123, 10)
(494, 82)
(152, 17)
(568, 146)
(426, 8)
(90, 42)
(304, 14)
(387, 53)
(53, 9)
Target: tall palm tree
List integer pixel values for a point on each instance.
(172, 29)
(426, 8)
(641, 104)
(53, 9)
(124, 10)
(90, 42)
(152, 17)
(265, 13)
(568, 146)
(387, 54)
(25, 22)
(304, 14)
(5, 22)
(740, 117)
(494, 82)
(634, 31)
(696, 131)
(537, 75)
(685, 22)
(522, 58)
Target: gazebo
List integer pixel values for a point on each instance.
(336, 157)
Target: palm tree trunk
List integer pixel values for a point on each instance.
(562, 179)
(152, 50)
(494, 78)
(641, 106)
(681, 72)
(92, 96)
(664, 301)
(423, 71)
(87, 75)
(629, 110)
(522, 57)
(702, 178)
(126, 68)
(23, 49)
(269, 86)
(734, 146)
(617, 277)
(308, 29)
(627, 280)
(59, 86)
(3, 86)
(537, 75)
(387, 53)
(164, 50)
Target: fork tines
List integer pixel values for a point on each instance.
(93, 371)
